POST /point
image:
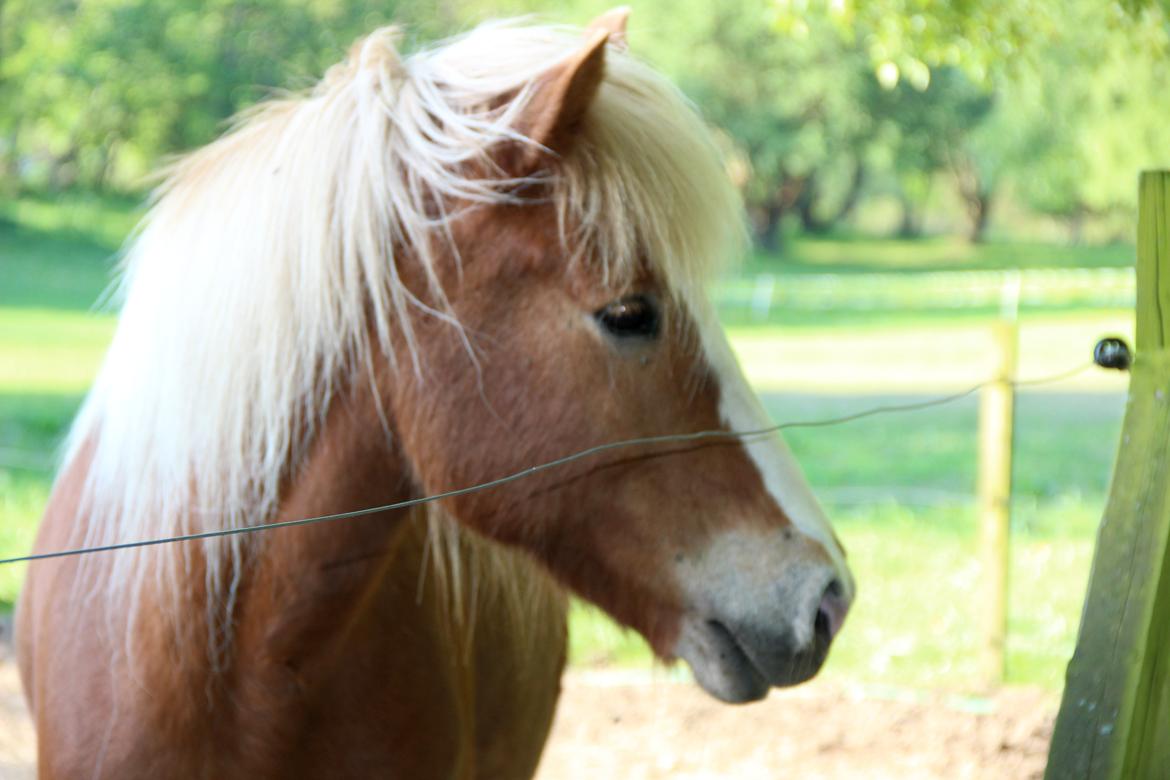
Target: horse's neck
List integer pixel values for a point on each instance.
(334, 612)
(306, 588)
(306, 580)
(346, 645)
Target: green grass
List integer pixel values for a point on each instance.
(46, 351)
(101, 221)
(58, 255)
(898, 486)
(1065, 445)
(915, 621)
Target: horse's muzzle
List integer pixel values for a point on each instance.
(738, 661)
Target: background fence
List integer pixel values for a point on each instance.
(760, 295)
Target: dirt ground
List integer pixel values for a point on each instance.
(623, 726)
(623, 730)
(16, 733)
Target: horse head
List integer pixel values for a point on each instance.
(576, 314)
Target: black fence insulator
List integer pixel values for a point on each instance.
(1112, 353)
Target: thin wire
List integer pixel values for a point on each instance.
(552, 464)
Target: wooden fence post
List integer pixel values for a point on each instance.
(996, 417)
(1114, 719)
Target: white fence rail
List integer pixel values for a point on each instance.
(1095, 287)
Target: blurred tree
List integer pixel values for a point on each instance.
(1098, 105)
(1075, 86)
(905, 38)
(931, 130)
(821, 102)
(101, 90)
(791, 106)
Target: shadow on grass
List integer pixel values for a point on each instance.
(848, 253)
(35, 424)
(52, 271)
(740, 315)
(59, 249)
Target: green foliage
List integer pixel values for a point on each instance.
(1056, 101)
(98, 92)
(986, 38)
(1079, 93)
(791, 103)
(825, 106)
(1103, 124)
(928, 129)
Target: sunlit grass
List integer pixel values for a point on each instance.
(84, 218)
(46, 351)
(934, 353)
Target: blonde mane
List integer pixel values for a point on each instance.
(269, 257)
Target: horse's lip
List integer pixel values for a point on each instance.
(720, 664)
(739, 666)
(736, 652)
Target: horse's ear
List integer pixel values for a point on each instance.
(613, 22)
(554, 114)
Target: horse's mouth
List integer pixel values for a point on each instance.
(719, 663)
(740, 667)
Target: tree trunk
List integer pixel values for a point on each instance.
(853, 195)
(979, 207)
(63, 170)
(3, 25)
(770, 233)
(806, 207)
(911, 225)
(9, 161)
(786, 196)
(808, 201)
(1076, 226)
(105, 166)
(10, 182)
(978, 193)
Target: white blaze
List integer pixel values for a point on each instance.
(741, 410)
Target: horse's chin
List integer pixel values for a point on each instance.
(740, 667)
(719, 664)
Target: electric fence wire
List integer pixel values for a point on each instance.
(675, 438)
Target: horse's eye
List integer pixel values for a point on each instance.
(635, 316)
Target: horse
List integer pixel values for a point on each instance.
(425, 273)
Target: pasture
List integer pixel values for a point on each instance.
(900, 487)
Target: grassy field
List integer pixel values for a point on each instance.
(899, 486)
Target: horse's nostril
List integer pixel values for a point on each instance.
(831, 611)
(823, 626)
